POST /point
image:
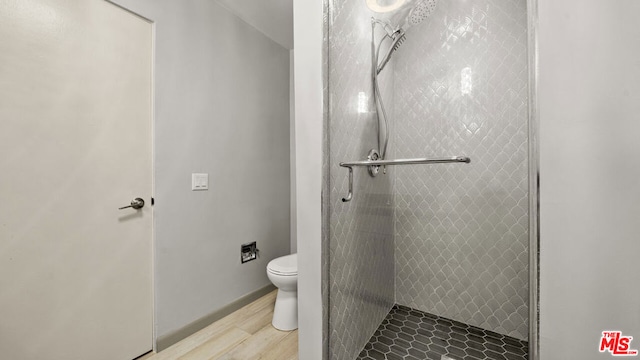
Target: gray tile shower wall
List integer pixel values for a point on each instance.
(461, 231)
(361, 260)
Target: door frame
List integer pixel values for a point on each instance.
(151, 22)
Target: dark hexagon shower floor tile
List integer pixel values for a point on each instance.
(409, 334)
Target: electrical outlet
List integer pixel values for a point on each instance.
(248, 252)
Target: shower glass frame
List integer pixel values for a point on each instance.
(534, 183)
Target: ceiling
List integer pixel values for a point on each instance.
(274, 18)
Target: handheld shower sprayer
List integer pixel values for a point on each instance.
(397, 34)
(398, 38)
(417, 14)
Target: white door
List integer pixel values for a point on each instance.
(75, 145)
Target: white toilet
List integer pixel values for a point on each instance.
(283, 273)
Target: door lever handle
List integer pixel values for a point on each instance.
(136, 203)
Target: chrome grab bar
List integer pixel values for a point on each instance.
(351, 164)
(454, 159)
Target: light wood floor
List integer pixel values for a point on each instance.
(246, 334)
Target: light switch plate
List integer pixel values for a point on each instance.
(199, 182)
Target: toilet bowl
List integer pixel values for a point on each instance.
(283, 273)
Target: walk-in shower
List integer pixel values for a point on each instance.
(431, 258)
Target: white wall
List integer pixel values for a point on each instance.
(590, 174)
(222, 107)
(274, 18)
(308, 167)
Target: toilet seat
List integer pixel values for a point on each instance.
(284, 266)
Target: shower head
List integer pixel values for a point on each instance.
(420, 12)
(411, 12)
(417, 14)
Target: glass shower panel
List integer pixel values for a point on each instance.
(461, 234)
(446, 242)
(361, 262)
